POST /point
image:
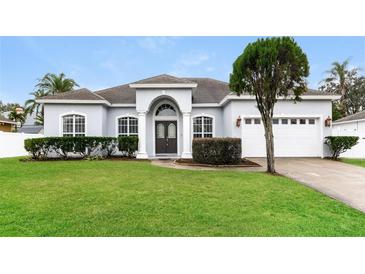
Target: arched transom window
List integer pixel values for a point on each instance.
(166, 110)
(73, 125)
(202, 127)
(127, 126)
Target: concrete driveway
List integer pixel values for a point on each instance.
(338, 180)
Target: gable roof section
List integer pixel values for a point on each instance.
(79, 94)
(353, 117)
(119, 95)
(164, 79)
(209, 90)
(204, 91)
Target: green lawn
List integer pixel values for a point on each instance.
(120, 198)
(356, 162)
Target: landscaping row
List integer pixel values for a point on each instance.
(213, 151)
(81, 147)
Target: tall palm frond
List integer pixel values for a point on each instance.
(53, 84)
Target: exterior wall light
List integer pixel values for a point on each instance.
(238, 121)
(328, 122)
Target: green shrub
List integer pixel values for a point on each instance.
(339, 144)
(217, 151)
(128, 145)
(63, 146)
(37, 147)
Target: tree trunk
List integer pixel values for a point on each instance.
(269, 146)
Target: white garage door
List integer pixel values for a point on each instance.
(293, 137)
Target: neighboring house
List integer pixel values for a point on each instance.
(167, 112)
(352, 125)
(7, 125)
(31, 129)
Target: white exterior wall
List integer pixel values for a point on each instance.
(102, 120)
(12, 144)
(113, 114)
(355, 128)
(216, 113)
(95, 116)
(321, 108)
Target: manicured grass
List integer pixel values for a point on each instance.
(117, 198)
(356, 162)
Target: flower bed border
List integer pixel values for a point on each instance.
(189, 162)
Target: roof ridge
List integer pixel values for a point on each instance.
(350, 116)
(208, 78)
(161, 75)
(104, 89)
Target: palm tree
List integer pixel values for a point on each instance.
(17, 116)
(340, 79)
(31, 105)
(52, 83)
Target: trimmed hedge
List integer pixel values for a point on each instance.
(217, 151)
(82, 146)
(128, 145)
(340, 144)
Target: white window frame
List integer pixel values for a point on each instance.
(203, 115)
(117, 134)
(73, 126)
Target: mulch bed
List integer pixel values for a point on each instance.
(112, 158)
(190, 162)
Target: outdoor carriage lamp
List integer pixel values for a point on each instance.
(327, 122)
(238, 121)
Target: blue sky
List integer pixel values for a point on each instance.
(101, 62)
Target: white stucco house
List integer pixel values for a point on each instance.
(167, 112)
(352, 125)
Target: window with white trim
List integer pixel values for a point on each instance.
(202, 127)
(73, 125)
(128, 126)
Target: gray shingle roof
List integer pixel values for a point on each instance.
(31, 129)
(207, 91)
(119, 95)
(164, 79)
(353, 117)
(6, 120)
(79, 94)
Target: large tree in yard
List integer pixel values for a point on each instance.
(270, 68)
(52, 83)
(341, 79)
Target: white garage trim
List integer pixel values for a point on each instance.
(317, 117)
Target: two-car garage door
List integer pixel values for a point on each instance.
(293, 137)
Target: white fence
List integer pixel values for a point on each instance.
(12, 144)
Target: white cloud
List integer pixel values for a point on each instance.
(111, 66)
(191, 61)
(156, 44)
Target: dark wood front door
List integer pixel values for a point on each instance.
(166, 137)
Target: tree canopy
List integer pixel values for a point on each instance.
(270, 68)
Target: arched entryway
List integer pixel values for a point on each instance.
(166, 128)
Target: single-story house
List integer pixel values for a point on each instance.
(352, 125)
(167, 112)
(7, 125)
